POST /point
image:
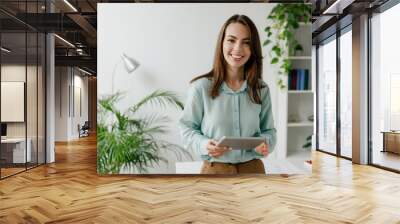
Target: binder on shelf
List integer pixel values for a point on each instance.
(307, 80)
(293, 80)
(299, 79)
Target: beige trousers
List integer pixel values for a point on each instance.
(252, 166)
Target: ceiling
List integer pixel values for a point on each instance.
(76, 22)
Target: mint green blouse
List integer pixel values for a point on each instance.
(232, 113)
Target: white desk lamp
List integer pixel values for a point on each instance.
(130, 66)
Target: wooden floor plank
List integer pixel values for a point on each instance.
(70, 191)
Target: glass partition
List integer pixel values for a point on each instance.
(14, 154)
(23, 89)
(346, 93)
(32, 95)
(385, 89)
(41, 87)
(327, 96)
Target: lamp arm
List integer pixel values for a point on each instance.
(113, 75)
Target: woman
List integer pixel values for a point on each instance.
(230, 100)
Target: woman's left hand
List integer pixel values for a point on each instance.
(262, 149)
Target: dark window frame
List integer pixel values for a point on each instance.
(30, 30)
(333, 37)
(379, 10)
(382, 8)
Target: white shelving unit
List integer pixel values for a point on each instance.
(300, 57)
(300, 91)
(300, 124)
(298, 105)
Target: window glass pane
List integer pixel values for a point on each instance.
(346, 94)
(31, 97)
(22, 87)
(41, 97)
(14, 149)
(385, 114)
(327, 97)
(394, 101)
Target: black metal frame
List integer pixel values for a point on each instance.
(338, 98)
(327, 39)
(316, 96)
(339, 32)
(342, 31)
(380, 9)
(26, 90)
(387, 5)
(369, 104)
(0, 92)
(44, 78)
(37, 92)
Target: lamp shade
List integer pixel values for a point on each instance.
(130, 64)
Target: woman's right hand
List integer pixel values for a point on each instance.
(214, 150)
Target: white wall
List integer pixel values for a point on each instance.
(61, 103)
(12, 73)
(68, 80)
(17, 73)
(33, 126)
(173, 43)
(80, 83)
(50, 95)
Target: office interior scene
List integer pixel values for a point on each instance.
(25, 65)
(48, 119)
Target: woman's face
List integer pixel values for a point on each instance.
(236, 45)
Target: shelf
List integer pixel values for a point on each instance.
(299, 101)
(300, 58)
(300, 124)
(300, 91)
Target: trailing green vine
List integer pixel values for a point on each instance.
(286, 18)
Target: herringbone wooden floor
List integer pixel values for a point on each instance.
(70, 191)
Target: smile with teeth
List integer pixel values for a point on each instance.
(236, 57)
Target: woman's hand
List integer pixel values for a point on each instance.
(262, 149)
(214, 150)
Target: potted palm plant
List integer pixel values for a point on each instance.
(127, 139)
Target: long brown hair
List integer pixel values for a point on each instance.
(252, 68)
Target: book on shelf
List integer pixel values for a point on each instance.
(299, 79)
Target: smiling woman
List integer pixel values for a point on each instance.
(231, 100)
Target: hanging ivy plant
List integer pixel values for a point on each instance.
(286, 18)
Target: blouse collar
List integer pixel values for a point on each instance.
(225, 88)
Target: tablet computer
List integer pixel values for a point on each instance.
(241, 142)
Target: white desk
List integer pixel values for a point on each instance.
(19, 149)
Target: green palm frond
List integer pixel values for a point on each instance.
(130, 141)
(152, 124)
(154, 118)
(159, 98)
(108, 102)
